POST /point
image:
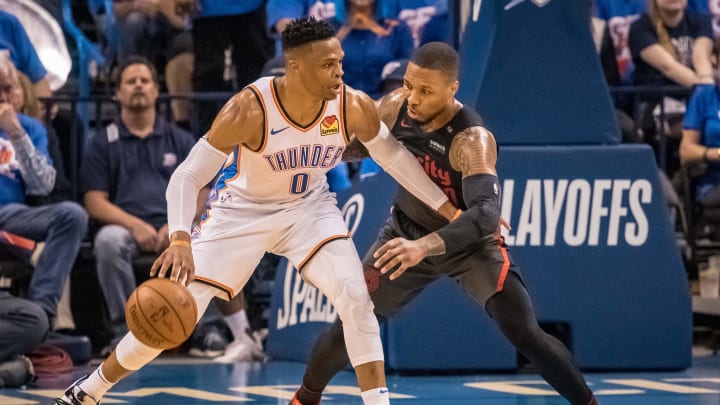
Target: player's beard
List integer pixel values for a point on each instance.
(428, 119)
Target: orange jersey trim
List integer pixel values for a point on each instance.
(287, 119)
(266, 135)
(343, 126)
(505, 267)
(317, 247)
(216, 284)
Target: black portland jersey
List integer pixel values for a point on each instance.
(432, 150)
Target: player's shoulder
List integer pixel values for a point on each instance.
(474, 136)
(391, 104)
(243, 106)
(359, 105)
(395, 97)
(361, 112)
(357, 98)
(478, 131)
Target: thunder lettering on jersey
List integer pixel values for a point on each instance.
(292, 160)
(432, 151)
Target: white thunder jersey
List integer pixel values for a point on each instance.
(292, 161)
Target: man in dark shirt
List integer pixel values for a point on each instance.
(124, 175)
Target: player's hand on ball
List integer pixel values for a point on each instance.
(399, 252)
(177, 259)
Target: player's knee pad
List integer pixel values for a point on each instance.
(355, 308)
(133, 354)
(361, 330)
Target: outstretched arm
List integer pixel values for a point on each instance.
(391, 155)
(473, 153)
(239, 122)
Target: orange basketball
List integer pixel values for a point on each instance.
(161, 313)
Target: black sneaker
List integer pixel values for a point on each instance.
(210, 344)
(16, 372)
(74, 395)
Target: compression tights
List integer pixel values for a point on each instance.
(512, 311)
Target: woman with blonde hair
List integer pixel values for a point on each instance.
(25, 100)
(670, 45)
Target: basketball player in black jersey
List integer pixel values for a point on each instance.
(416, 246)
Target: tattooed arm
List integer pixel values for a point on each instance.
(473, 152)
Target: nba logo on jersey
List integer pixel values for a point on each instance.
(329, 126)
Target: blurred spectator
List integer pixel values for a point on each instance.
(369, 42)
(15, 44)
(124, 175)
(701, 140)
(46, 35)
(281, 12)
(160, 31)
(25, 170)
(606, 52)
(25, 101)
(619, 15)
(23, 325)
(436, 30)
(427, 19)
(669, 46)
(157, 30)
(232, 46)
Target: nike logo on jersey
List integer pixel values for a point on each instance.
(277, 131)
(404, 124)
(383, 391)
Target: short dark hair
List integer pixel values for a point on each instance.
(305, 30)
(437, 56)
(136, 60)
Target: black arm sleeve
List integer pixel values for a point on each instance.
(482, 197)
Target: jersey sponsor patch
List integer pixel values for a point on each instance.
(329, 126)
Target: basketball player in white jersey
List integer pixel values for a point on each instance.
(274, 142)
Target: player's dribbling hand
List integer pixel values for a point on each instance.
(400, 253)
(179, 260)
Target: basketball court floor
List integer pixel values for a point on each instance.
(180, 380)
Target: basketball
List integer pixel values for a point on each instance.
(161, 313)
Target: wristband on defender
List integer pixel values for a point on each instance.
(457, 214)
(482, 197)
